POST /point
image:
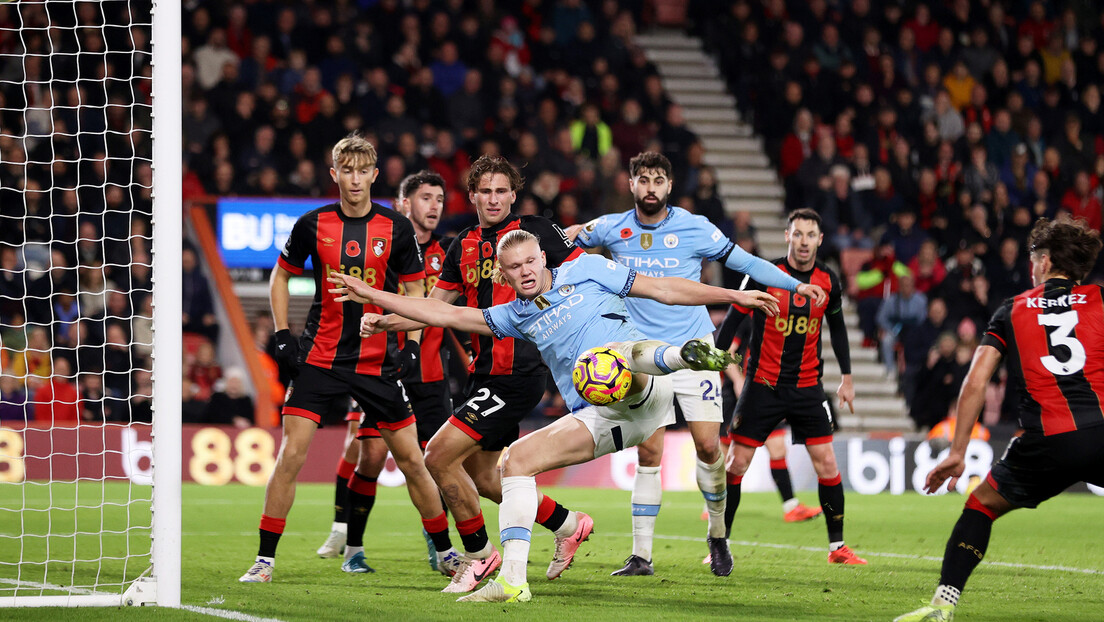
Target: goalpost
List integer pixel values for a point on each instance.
(90, 302)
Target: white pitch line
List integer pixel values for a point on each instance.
(50, 586)
(229, 615)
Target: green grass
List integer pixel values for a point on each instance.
(781, 571)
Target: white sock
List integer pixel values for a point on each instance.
(342, 527)
(789, 505)
(652, 357)
(647, 496)
(352, 550)
(516, 515)
(571, 523)
(946, 595)
(835, 546)
(711, 482)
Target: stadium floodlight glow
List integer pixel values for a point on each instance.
(90, 512)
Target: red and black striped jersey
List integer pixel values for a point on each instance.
(468, 266)
(433, 363)
(785, 349)
(379, 248)
(1053, 339)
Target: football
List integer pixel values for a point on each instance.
(601, 376)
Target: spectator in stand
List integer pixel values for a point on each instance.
(707, 200)
(845, 220)
(927, 268)
(1080, 201)
(590, 135)
(937, 383)
(1076, 150)
(630, 132)
(898, 315)
(960, 85)
(948, 119)
(917, 342)
(196, 301)
(813, 176)
(904, 235)
(883, 203)
(57, 401)
(231, 405)
(1002, 140)
(141, 400)
(205, 371)
(797, 146)
(1009, 274)
(876, 280)
(925, 30)
(210, 58)
(981, 176)
(14, 407)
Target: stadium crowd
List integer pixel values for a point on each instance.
(928, 135)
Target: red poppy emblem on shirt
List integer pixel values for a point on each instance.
(486, 250)
(352, 248)
(798, 300)
(626, 233)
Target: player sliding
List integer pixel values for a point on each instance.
(565, 312)
(1051, 335)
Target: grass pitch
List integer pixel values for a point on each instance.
(1044, 564)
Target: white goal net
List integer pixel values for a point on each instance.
(87, 486)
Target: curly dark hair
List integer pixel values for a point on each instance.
(414, 181)
(490, 165)
(649, 160)
(1071, 244)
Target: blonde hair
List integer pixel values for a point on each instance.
(512, 239)
(354, 150)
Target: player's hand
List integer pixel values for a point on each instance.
(754, 299)
(815, 292)
(947, 471)
(287, 353)
(572, 232)
(349, 288)
(409, 360)
(846, 393)
(372, 324)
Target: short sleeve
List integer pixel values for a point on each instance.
(593, 233)
(450, 271)
(406, 256)
(502, 320)
(997, 334)
(298, 249)
(713, 244)
(553, 241)
(609, 274)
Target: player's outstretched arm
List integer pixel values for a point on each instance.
(428, 311)
(399, 324)
(673, 290)
(970, 401)
(763, 271)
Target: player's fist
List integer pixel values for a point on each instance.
(409, 360)
(372, 324)
(815, 292)
(755, 299)
(287, 353)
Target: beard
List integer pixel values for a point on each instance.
(651, 209)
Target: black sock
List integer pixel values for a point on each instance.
(782, 481)
(965, 548)
(556, 519)
(269, 541)
(341, 500)
(473, 533)
(732, 501)
(362, 496)
(831, 500)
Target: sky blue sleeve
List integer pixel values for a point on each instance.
(502, 321)
(759, 269)
(593, 233)
(610, 274)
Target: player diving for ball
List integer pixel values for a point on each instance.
(564, 312)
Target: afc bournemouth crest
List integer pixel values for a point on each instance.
(645, 241)
(379, 246)
(435, 262)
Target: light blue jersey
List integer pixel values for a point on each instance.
(674, 247)
(584, 309)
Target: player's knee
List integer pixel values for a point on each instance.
(709, 450)
(737, 460)
(514, 464)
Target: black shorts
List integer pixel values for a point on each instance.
(728, 409)
(762, 409)
(1035, 468)
(432, 406)
(315, 392)
(495, 406)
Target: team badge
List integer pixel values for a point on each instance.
(566, 290)
(670, 240)
(379, 246)
(352, 248)
(435, 263)
(645, 241)
(626, 233)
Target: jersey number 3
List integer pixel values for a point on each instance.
(1061, 336)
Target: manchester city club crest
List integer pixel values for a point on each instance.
(566, 290)
(645, 241)
(670, 240)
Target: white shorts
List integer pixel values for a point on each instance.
(629, 422)
(698, 394)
